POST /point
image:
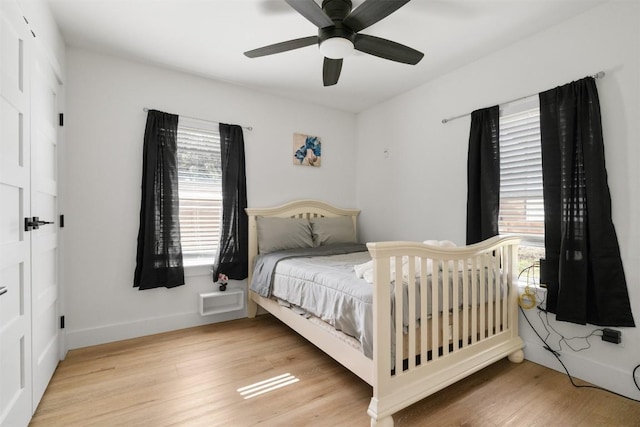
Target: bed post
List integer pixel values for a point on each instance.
(380, 416)
(385, 422)
(252, 307)
(518, 355)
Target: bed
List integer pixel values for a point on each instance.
(436, 336)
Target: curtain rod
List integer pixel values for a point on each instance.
(249, 128)
(598, 75)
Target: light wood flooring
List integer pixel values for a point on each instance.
(191, 377)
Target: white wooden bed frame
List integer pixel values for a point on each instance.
(466, 353)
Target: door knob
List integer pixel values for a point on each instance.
(34, 223)
(3, 290)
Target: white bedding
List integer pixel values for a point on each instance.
(329, 288)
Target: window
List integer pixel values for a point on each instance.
(200, 190)
(521, 196)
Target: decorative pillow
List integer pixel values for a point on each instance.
(328, 231)
(276, 234)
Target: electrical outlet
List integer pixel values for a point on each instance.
(611, 335)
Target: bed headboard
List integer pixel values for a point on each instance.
(295, 209)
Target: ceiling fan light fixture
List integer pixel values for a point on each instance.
(339, 34)
(336, 47)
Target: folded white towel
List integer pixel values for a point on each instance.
(368, 276)
(360, 269)
(443, 243)
(431, 242)
(365, 270)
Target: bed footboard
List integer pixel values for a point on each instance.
(474, 285)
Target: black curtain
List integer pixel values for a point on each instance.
(587, 282)
(232, 257)
(483, 175)
(159, 257)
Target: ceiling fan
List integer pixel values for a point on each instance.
(338, 34)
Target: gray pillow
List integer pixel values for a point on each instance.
(329, 231)
(276, 234)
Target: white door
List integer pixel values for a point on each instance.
(44, 240)
(15, 246)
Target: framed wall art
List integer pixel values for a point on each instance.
(307, 150)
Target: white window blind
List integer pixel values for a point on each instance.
(521, 197)
(200, 190)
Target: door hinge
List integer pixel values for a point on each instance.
(61, 221)
(27, 22)
(61, 119)
(61, 322)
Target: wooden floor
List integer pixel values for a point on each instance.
(191, 378)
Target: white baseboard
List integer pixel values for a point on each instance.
(121, 331)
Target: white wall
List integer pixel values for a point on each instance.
(103, 171)
(421, 184)
(423, 181)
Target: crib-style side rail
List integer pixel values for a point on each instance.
(445, 304)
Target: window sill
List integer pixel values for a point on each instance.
(523, 284)
(198, 270)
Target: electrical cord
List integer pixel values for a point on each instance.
(556, 353)
(524, 302)
(546, 324)
(527, 300)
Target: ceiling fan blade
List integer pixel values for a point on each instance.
(282, 47)
(312, 11)
(387, 49)
(370, 12)
(331, 71)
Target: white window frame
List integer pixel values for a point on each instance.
(200, 226)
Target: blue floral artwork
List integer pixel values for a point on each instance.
(306, 150)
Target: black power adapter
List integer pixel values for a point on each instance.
(611, 335)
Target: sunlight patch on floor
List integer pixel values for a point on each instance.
(266, 386)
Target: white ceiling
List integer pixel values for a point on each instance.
(208, 38)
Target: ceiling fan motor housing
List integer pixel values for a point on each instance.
(337, 10)
(335, 31)
(343, 37)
